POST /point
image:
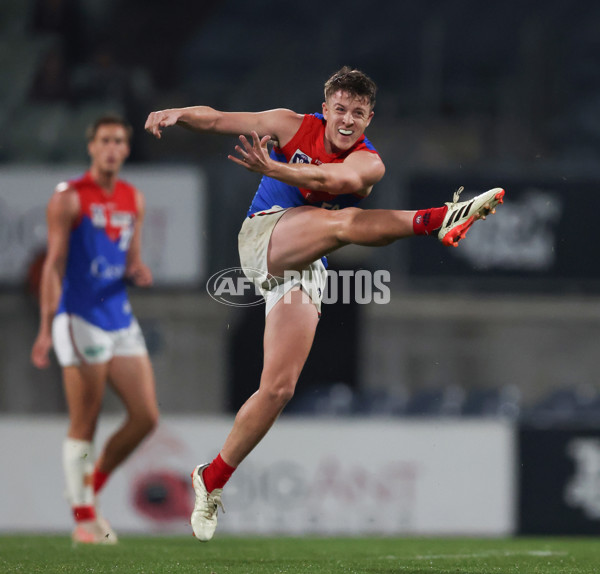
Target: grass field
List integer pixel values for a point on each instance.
(223, 555)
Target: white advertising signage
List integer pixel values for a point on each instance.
(173, 244)
(330, 477)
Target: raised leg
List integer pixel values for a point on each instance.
(304, 234)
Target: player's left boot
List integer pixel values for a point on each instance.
(91, 532)
(461, 215)
(108, 534)
(204, 515)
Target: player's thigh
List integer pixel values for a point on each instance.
(289, 333)
(84, 390)
(305, 234)
(132, 378)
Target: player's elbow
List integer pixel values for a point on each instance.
(348, 182)
(367, 185)
(203, 118)
(55, 265)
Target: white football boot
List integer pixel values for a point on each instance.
(461, 215)
(93, 532)
(204, 515)
(109, 535)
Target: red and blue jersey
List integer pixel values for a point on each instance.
(94, 286)
(307, 146)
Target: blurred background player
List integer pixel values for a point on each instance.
(321, 167)
(94, 248)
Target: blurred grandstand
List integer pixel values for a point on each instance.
(466, 88)
(464, 82)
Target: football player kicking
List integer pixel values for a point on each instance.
(321, 167)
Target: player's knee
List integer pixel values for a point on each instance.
(152, 421)
(146, 422)
(281, 391)
(344, 220)
(282, 395)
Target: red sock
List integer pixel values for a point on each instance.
(85, 512)
(426, 221)
(99, 478)
(217, 473)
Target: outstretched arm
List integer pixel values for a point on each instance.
(280, 124)
(62, 211)
(358, 173)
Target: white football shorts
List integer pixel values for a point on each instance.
(78, 342)
(253, 243)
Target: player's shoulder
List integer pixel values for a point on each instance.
(314, 121)
(284, 125)
(65, 199)
(310, 125)
(129, 188)
(130, 193)
(65, 191)
(76, 183)
(64, 187)
(364, 149)
(68, 193)
(125, 184)
(285, 114)
(366, 144)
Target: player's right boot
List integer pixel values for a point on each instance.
(204, 515)
(461, 215)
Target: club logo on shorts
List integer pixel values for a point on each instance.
(237, 287)
(93, 351)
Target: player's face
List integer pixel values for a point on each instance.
(347, 118)
(109, 148)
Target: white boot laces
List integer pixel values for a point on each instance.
(457, 194)
(213, 500)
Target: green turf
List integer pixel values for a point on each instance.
(223, 555)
